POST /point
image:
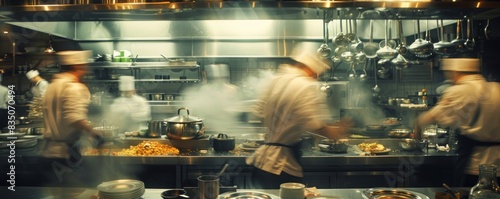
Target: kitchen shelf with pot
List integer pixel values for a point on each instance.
(148, 80)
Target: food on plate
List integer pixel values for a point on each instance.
(148, 148)
(391, 121)
(371, 147)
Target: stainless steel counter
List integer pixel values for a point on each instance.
(83, 193)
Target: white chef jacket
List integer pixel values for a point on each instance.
(132, 111)
(39, 89)
(291, 106)
(66, 102)
(457, 109)
(4, 96)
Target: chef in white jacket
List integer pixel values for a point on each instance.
(130, 111)
(40, 84)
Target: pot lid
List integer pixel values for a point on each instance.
(184, 118)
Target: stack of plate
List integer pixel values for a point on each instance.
(121, 189)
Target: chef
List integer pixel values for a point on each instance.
(130, 111)
(289, 107)
(470, 106)
(66, 122)
(40, 84)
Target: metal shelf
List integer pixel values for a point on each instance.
(147, 80)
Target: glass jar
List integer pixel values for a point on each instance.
(487, 186)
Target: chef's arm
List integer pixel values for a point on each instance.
(87, 128)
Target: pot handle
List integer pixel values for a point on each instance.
(222, 135)
(182, 108)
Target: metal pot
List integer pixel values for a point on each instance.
(184, 127)
(400, 133)
(156, 128)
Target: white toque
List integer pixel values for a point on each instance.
(126, 83)
(32, 73)
(74, 57)
(461, 64)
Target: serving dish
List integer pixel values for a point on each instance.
(247, 195)
(391, 193)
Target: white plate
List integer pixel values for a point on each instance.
(386, 151)
(247, 195)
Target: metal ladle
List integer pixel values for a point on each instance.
(371, 47)
(459, 41)
(386, 52)
(324, 50)
(392, 43)
(376, 89)
(470, 44)
(356, 45)
(421, 47)
(443, 47)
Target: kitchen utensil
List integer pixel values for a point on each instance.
(223, 143)
(208, 187)
(449, 190)
(292, 190)
(392, 193)
(371, 48)
(363, 76)
(443, 47)
(108, 132)
(386, 52)
(459, 41)
(356, 45)
(333, 146)
(184, 127)
(392, 43)
(156, 129)
(374, 127)
(470, 44)
(351, 73)
(324, 50)
(421, 47)
(222, 170)
(399, 133)
(408, 144)
(247, 194)
(174, 194)
(376, 89)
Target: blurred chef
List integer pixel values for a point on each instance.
(470, 106)
(130, 111)
(289, 107)
(65, 119)
(40, 84)
(215, 100)
(4, 98)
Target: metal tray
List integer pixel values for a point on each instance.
(388, 193)
(247, 195)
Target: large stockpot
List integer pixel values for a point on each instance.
(184, 127)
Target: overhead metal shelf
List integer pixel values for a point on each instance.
(223, 10)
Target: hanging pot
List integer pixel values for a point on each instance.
(184, 127)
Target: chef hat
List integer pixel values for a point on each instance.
(460, 64)
(32, 73)
(217, 70)
(74, 57)
(126, 83)
(311, 60)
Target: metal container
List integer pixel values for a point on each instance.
(184, 127)
(223, 142)
(108, 131)
(334, 146)
(400, 133)
(156, 129)
(408, 144)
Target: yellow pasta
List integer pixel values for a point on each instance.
(371, 147)
(148, 148)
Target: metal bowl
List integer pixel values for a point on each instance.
(333, 146)
(400, 133)
(408, 144)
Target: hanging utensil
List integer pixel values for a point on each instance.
(392, 43)
(364, 75)
(443, 47)
(356, 45)
(420, 47)
(386, 52)
(324, 50)
(351, 73)
(371, 47)
(459, 41)
(49, 48)
(470, 44)
(376, 89)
